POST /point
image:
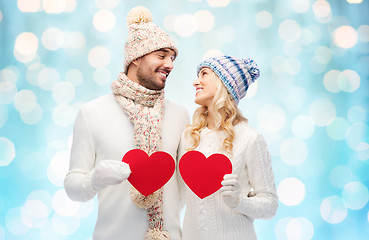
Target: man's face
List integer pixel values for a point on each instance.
(154, 68)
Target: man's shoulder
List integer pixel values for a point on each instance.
(174, 107)
(100, 102)
(174, 110)
(100, 105)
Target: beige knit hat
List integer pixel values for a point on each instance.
(143, 36)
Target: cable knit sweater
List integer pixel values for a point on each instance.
(103, 131)
(210, 218)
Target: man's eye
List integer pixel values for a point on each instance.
(161, 56)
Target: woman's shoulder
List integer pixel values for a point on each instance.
(244, 127)
(244, 131)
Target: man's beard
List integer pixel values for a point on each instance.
(148, 80)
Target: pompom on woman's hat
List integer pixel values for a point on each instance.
(236, 74)
(144, 36)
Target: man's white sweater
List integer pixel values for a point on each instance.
(103, 131)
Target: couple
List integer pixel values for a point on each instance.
(137, 115)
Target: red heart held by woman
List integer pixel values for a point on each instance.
(204, 175)
(148, 174)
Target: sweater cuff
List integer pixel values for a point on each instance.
(243, 205)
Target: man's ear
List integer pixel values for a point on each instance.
(136, 61)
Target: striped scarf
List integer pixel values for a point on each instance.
(145, 109)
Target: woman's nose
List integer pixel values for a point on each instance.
(196, 82)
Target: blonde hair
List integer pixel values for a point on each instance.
(226, 115)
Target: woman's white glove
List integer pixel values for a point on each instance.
(231, 190)
(109, 172)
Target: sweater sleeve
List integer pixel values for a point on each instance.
(77, 182)
(259, 168)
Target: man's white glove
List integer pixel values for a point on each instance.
(109, 172)
(231, 190)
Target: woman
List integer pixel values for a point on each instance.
(219, 127)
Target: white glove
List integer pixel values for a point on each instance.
(231, 190)
(109, 172)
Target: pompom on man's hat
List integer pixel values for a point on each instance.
(236, 74)
(144, 36)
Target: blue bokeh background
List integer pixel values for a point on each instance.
(311, 102)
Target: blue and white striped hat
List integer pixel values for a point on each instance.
(236, 74)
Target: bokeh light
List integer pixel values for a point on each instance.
(289, 30)
(303, 126)
(25, 101)
(333, 209)
(363, 33)
(264, 19)
(29, 5)
(218, 3)
(345, 37)
(104, 20)
(301, 6)
(294, 228)
(271, 118)
(99, 57)
(204, 21)
(291, 191)
(185, 25)
(47, 78)
(310, 102)
(355, 195)
(341, 175)
(293, 151)
(322, 111)
(26, 46)
(7, 151)
(52, 38)
(322, 11)
(337, 129)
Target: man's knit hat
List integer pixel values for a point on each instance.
(236, 74)
(144, 36)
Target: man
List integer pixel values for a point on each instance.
(136, 115)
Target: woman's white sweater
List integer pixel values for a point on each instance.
(103, 131)
(210, 218)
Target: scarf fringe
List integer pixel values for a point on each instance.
(156, 234)
(144, 202)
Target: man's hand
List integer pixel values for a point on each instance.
(109, 172)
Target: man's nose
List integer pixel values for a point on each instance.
(168, 64)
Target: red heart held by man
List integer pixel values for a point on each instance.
(148, 174)
(204, 175)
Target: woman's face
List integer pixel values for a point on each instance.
(205, 87)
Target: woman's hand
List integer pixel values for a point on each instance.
(231, 190)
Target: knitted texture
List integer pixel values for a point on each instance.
(211, 218)
(236, 74)
(145, 109)
(144, 36)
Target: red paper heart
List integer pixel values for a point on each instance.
(204, 175)
(148, 174)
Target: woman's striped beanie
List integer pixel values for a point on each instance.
(236, 74)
